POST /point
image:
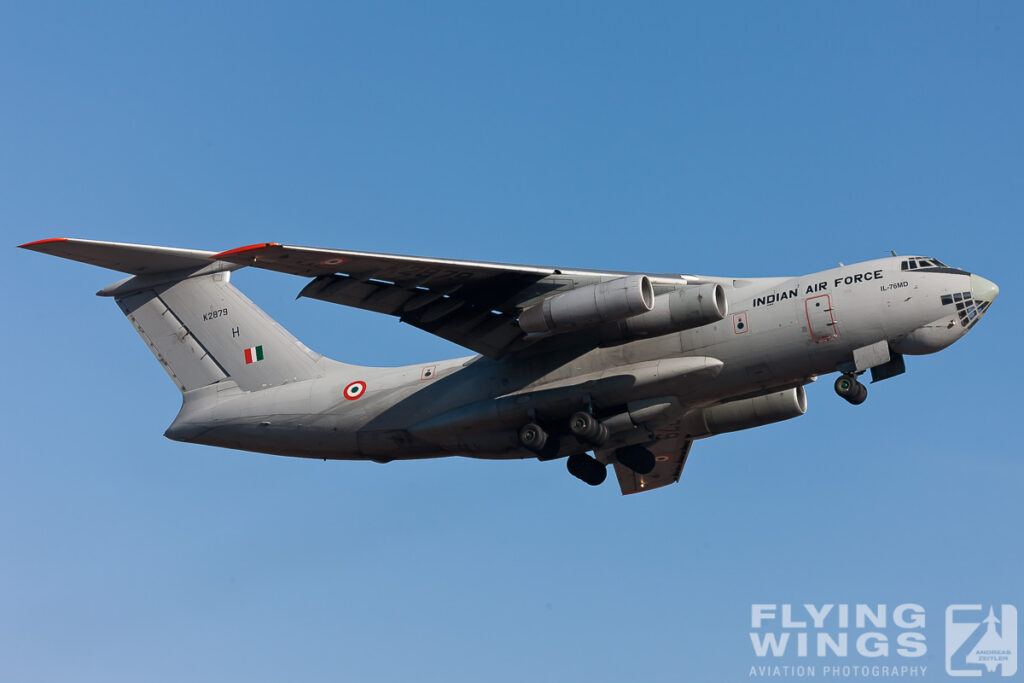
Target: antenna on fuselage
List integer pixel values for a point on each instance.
(893, 252)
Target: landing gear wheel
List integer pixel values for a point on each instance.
(636, 458)
(588, 429)
(851, 390)
(586, 469)
(533, 437)
(845, 385)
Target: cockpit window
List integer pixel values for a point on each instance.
(921, 262)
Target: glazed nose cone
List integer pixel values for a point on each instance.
(983, 290)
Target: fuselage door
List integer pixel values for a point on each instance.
(820, 318)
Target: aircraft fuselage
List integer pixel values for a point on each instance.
(779, 333)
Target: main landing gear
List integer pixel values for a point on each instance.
(587, 429)
(533, 438)
(587, 469)
(593, 471)
(591, 434)
(850, 389)
(636, 458)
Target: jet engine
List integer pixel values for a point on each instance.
(627, 308)
(681, 309)
(602, 302)
(746, 413)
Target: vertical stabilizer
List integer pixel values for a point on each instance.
(203, 330)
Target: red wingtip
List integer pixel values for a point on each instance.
(239, 250)
(29, 245)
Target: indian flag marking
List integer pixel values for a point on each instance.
(254, 354)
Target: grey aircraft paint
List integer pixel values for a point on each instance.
(632, 367)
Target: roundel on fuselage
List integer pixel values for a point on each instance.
(355, 390)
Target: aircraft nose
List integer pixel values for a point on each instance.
(983, 290)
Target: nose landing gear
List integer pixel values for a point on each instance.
(851, 390)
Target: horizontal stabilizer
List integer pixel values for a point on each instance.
(137, 259)
(201, 329)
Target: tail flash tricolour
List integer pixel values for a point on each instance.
(200, 328)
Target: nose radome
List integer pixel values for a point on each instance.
(983, 290)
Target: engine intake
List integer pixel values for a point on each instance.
(602, 302)
(747, 413)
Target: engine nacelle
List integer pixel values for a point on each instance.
(746, 413)
(602, 302)
(682, 309)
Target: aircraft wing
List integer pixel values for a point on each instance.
(670, 453)
(472, 303)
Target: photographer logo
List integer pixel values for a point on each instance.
(981, 640)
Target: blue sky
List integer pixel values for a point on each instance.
(747, 139)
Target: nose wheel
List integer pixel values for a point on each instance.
(851, 390)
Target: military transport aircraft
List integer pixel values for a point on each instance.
(630, 366)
